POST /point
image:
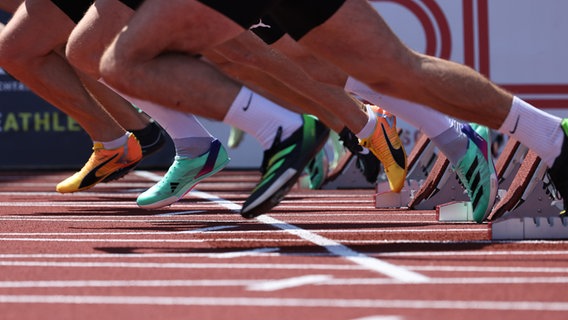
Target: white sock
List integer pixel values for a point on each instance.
(536, 129)
(177, 124)
(431, 122)
(116, 143)
(190, 138)
(369, 127)
(261, 117)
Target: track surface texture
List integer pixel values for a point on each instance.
(325, 254)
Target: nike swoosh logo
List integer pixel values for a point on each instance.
(245, 108)
(91, 177)
(397, 153)
(515, 127)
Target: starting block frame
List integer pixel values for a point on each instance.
(528, 210)
(457, 211)
(526, 207)
(440, 187)
(420, 162)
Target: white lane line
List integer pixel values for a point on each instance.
(356, 217)
(276, 302)
(132, 204)
(487, 269)
(208, 229)
(381, 318)
(263, 250)
(139, 219)
(247, 253)
(181, 213)
(471, 253)
(340, 250)
(152, 265)
(452, 281)
(79, 233)
(85, 204)
(166, 265)
(218, 231)
(126, 283)
(311, 197)
(262, 240)
(334, 247)
(275, 284)
(330, 245)
(280, 284)
(101, 240)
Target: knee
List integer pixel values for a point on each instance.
(12, 53)
(83, 56)
(114, 68)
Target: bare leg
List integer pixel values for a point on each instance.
(37, 64)
(240, 63)
(10, 6)
(451, 88)
(120, 109)
(136, 66)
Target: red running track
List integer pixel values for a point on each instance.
(319, 255)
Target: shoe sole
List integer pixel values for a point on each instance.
(269, 200)
(492, 179)
(173, 199)
(103, 179)
(120, 173)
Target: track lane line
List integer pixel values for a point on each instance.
(334, 247)
(284, 302)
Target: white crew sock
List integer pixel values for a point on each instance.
(431, 122)
(190, 138)
(369, 127)
(444, 132)
(536, 129)
(261, 117)
(116, 143)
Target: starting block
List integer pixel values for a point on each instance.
(528, 210)
(421, 159)
(420, 162)
(441, 186)
(527, 228)
(385, 198)
(458, 211)
(347, 176)
(509, 162)
(531, 193)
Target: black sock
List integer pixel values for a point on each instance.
(149, 134)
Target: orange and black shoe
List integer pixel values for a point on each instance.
(101, 164)
(386, 145)
(151, 139)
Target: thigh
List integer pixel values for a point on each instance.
(355, 38)
(102, 22)
(175, 25)
(37, 28)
